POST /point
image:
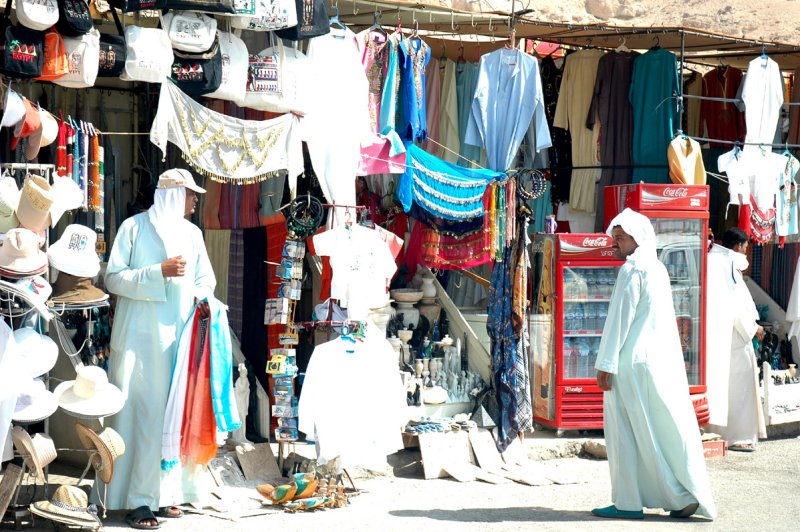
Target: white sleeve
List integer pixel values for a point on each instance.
(621, 312)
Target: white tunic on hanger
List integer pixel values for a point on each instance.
(763, 98)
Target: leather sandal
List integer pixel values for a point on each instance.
(686, 512)
(170, 512)
(137, 517)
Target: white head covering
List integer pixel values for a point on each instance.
(638, 226)
(167, 216)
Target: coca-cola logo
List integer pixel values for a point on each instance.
(597, 242)
(681, 192)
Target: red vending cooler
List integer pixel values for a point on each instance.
(573, 276)
(680, 218)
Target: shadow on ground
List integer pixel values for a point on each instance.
(533, 514)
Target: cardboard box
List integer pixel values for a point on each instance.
(715, 448)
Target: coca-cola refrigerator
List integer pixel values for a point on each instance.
(679, 214)
(573, 276)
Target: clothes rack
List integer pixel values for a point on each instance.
(728, 100)
(740, 143)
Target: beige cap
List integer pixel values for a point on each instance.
(178, 177)
(34, 203)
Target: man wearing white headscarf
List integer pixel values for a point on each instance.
(157, 268)
(654, 451)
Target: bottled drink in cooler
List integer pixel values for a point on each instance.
(602, 316)
(583, 363)
(591, 317)
(572, 356)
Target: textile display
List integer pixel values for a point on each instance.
(433, 109)
(763, 97)
(466, 84)
(218, 244)
(722, 120)
(236, 281)
(560, 153)
(448, 126)
(414, 55)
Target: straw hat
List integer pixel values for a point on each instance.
(34, 403)
(28, 125)
(38, 452)
(71, 290)
(109, 445)
(44, 136)
(37, 351)
(74, 253)
(34, 203)
(90, 395)
(13, 109)
(69, 505)
(67, 196)
(178, 177)
(20, 253)
(9, 200)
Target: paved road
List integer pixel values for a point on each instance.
(757, 491)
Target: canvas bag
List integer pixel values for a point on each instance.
(113, 52)
(74, 18)
(37, 14)
(56, 63)
(264, 15)
(130, 6)
(234, 59)
(23, 49)
(312, 21)
(149, 55)
(294, 78)
(223, 6)
(190, 32)
(83, 54)
(198, 74)
(264, 74)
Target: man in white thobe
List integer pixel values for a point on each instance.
(158, 266)
(654, 451)
(738, 385)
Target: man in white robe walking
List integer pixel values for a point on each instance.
(654, 451)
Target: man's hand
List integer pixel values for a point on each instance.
(604, 380)
(760, 333)
(173, 267)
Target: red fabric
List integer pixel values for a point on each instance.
(744, 218)
(211, 204)
(199, 427)
(276, 237)
(249, 196)
(723, 119)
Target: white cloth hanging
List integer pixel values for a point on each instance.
(720, 315)
(763, 97)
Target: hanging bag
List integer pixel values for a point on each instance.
(190, 32)
(223, 6)
(130, 6)
(149, 55)
(37, 15)
(83, 55)
(74, 18)
(264, 15)
(23, 49)
(234, 59)
(55, 62)
(112, 52)
(312, 21)
(264, 74)
(198, 74)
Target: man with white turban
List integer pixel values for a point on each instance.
(654, 451)
(158, 266)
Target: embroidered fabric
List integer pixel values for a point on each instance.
(762, 223)
(447, 252)
(224, 148)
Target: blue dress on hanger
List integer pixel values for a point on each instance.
(414, 56)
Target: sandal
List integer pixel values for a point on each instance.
(136, 518)
(743, 447)
(686, 512)
(170, 512)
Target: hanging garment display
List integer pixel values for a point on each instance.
(312, 21)
(444, 189)
(655, 113)
(574, 102)
(448, 119)
(447, 252)
(763, 97)
(466, 83)
(507, 99)
(692, 86)
(786, 216)
(391, 86)
(264, 15)
(414, 55)
(433, 108)
(722, 120)
(560, 153)
(224, 148)
(686, 162)
(611, 106)
(233, 81)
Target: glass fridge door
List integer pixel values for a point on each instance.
(542, 326)
(680, 244)
(587, 293)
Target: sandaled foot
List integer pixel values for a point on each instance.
(170, 512)
(611, 512)
(742, 447)
(686, 512)
(142, 518)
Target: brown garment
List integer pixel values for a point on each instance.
(610, 103)
(723, 120)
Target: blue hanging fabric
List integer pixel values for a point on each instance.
(444, 189)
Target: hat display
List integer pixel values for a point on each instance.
(67, 195)
(90, 395)
(68, 505)
(35, 201)
(74, 253)
(28, 125)
(45, 135)
(71, 290)
(38, 451)
(20, 255)
(178, 177)
(38, 352)
(9, 200)
(24, 295)
(13, 109)
(109, 445)
(34, 403)
(36, 288)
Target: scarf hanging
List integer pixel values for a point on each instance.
(61, 150)
(94, 173)
(100, 209)
(84, 164)
(224, 148)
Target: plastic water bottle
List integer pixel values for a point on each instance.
(602, 316)
(591, 317)
(583, 364)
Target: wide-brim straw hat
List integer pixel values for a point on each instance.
(38, 451)
(109, 445)
(34, 403)
(90, 395)
(69, 505)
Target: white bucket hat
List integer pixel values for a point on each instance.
(42, 137)
(34, 403)
(20, 252)
(13, 110)
(67, 195)
(37, 351)
(74, 253)
(9, 200)
(38, 451)
(90, 395)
